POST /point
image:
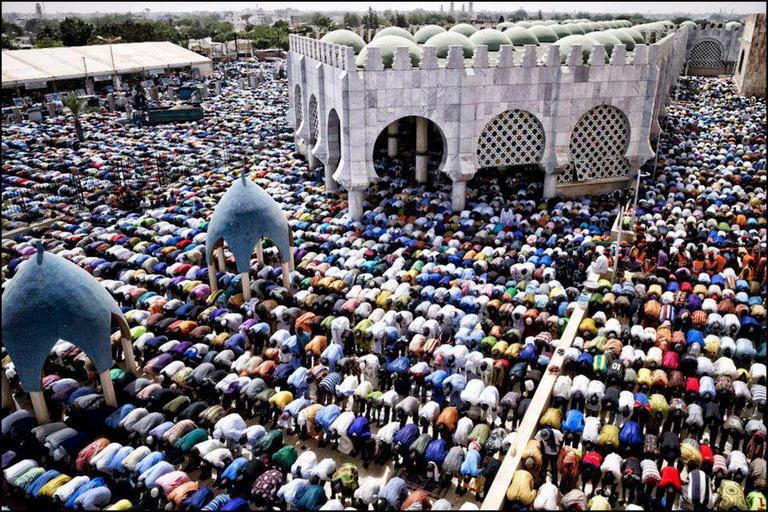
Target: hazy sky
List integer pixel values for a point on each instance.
(613, 7)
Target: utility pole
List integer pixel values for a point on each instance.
(109, 41)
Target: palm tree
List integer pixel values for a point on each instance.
(76, 106)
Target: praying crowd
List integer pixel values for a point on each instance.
(394, 371)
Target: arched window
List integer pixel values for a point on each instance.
(598, 144)
(514, 137)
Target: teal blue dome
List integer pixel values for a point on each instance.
(623, 36)
(561, 30)
(567, 42)
(504, 25)
(606, 39)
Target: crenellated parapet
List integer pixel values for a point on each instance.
(593, 113)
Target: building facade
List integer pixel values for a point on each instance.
(750, 68)
(586, 123)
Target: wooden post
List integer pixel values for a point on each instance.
(212, 277)
(260, 252)
(107, 388)
(222, 261)
(246, 282)
(41, 409)
(7, 398)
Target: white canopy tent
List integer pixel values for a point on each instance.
(24, 67)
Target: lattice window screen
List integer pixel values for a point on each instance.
(706, 54)
(297, 106)
(598, 143)
(514, 137)
(313, 119)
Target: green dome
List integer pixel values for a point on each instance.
(567, 42)
(688, 23)
(561, 30)
(520, 36)
(584, 27)
(732, 25)
(544, 34)
(524, 24)
(535, 23)
(606, 39)
(576, 28)
(504, 25)
(388, 46)
(426, 32)
(447, 39)
(464, 29)
(394, 31)
(625, 23)
(636, 35)
(623, 36)
(346, 38)
(490, 37)
(550, 22)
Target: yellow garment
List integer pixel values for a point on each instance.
(53, 485)
(281, 399)
(609, 435)
(599, 503)
(689, 453)
(120, 505)
(521, 488)
(552, 417)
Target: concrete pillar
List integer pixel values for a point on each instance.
(154, 93)
(128, 110)
(355, 200)
(245, 279)
(116, 82)
(51, 109)
(89, 86)
(241, 82)
(550, 185)
(311, 160)
(421, 150)
(260, 253)
(392, 140)
(107, 388)
(222, 261)
(217, 85)
(212, 282)
(286, 266)
(458, 195)
(6, 391)
(17, 114)
(130, 359)
(111, 102)
(40, 407)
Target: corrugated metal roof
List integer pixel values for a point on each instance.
(44, 64)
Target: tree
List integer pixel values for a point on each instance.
(12, 29)
(539, 15)
(352, 19)
(75, 32)
(8, 42)
(400, 20)
(371, 20)
(501, 19)
(48, 42)
(76, 106)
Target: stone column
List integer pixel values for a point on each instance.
(154, 93)
(421, 150)
(222, 261)
(241, 83)
(107, 388)
(245, 279)
(40, 407)
(330, 183)
(458, 195)
(89, 86)
(17, 114)
(355, 200)
(550, 184)
(311, 160)
(51, 109)
(111, 102)
(212, 282)
(217, 85)
(392, 140)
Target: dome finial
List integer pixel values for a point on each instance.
(40, 251)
